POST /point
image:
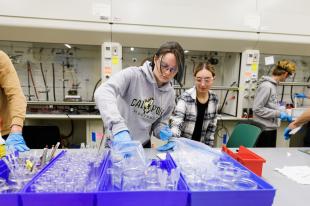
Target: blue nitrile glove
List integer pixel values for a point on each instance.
(121, 142)
(285, 117)
(122, 136)
(16, 141)
(300, 95)
(289, 118)
(170, 145)
(165, 133)
(287, 133)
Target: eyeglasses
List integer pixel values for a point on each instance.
(165, 67)
(199, 80)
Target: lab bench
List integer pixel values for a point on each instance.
(288, 192)
(83, 124)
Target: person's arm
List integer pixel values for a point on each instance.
(261, 98)
(16, 128)
(303, 118)
(106, 99)
(178, 116)
(163, 121)
(213, 123)
(16, 100)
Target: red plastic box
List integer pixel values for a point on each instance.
(247, 158)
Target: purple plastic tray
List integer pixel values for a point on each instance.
(263, 196)
(7, 199)
(149, 198)
(55, 199)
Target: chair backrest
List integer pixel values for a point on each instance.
(245, 135)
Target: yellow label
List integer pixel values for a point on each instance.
(29, 164)
(114, 59)
(254, 67)
(2, 150)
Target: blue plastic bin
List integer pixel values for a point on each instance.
(4, 170)
(51, 199)
(55, 199)
(136, 198)
(7, 199)
(263, 196)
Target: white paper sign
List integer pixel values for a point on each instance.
(269, 60)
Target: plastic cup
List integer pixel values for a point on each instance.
(216, 184)
(244, 184)
(132, 180)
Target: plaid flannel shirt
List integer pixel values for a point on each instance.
(183, 119)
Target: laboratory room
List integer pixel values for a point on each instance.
(173, 103)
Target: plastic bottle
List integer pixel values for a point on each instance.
(224, 139)
(2, 142)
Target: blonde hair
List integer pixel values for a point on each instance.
(284, 66)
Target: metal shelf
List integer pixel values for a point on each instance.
(61, 103)
(225, 88)
(63, 116)
(294, 84)
(212, 88)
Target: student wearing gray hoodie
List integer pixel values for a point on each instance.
(138, 101)
(266, 110)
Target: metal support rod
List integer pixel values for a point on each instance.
(54, 92)
(29, 87)
(63, 81)
(31, 77)
(44, 81)
(295, 83)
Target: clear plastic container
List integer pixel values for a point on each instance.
(244, 184)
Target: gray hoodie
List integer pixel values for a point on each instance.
(131, 100)
(265, 107)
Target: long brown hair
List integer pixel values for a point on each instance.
(204, 65)
(176, 49)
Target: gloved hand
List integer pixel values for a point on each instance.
(300, 95)
(165, 133)
(287, 133)
(170, 145)
(16, 141)
(121, 141)
(122, 136)
(285, 117)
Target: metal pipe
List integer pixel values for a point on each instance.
(54, 92)
(31, 77)
(212, 88)
(63, 81)
(295, 83)
(29, 87)
(44, 81)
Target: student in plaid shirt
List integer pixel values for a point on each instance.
(195, 115)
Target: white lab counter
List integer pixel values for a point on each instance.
(62, 116)
(288, 192)
(88, 123)
(83, 124)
